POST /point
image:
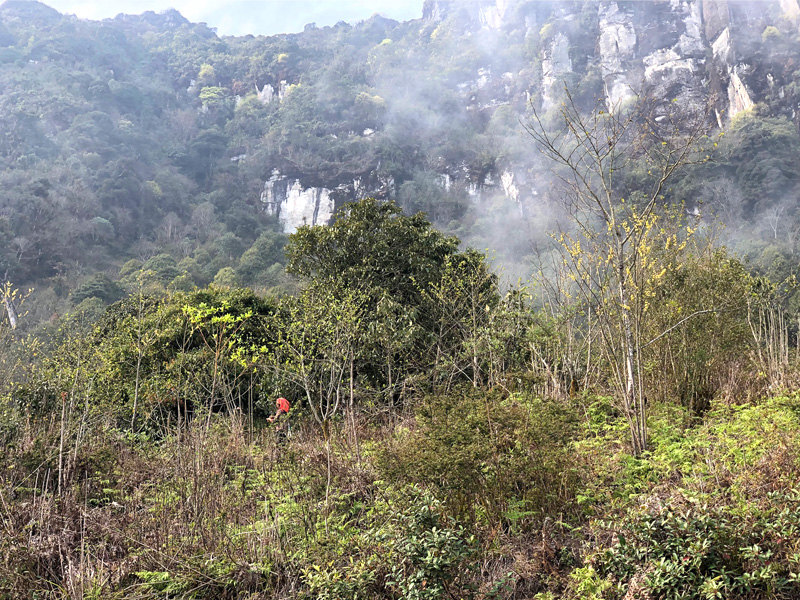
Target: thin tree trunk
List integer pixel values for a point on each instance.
(11, 311)
(328, 481)
(213, 385)
(61, 439)
(353, 414)
(136, 389)
(634, 410)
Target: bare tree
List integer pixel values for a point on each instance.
(608, 251)
(21, 246)
(774, 216)
(724, 200)
(171, 227)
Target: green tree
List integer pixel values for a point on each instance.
(316, 347)
(266, 251)
(374, 246)
(207, 75)
(460, 306)
(693, 360)
(226, 278)
(222, 332)
(407, 276)
(98, 286)
(162, 268)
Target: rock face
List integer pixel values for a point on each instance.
(616, 46)
(489, 14)
(695, 51)
(701, 53)
(493, 14)
(656, 48)
(268, 93)
(556, 64)
(295, 205)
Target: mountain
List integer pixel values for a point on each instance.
(625, 426)
(151, 141)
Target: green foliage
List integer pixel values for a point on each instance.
(459, 309)
(213, 96)
(6, 39)
(207, 75)
(770, 32)
(488, 454)
(256, 262)
(406, 278)
(179, 354)
(686, 538)
(704, 307)
(690, 550)
(162, 268)
(226, 278)
(98, 286)
(134, 459)
(430, 555)
(317, 337)
(372, 245)
(758, 151)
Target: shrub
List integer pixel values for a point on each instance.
(432, 553)
(770, 33)
(688, 549)
(721, 516)
(488, 452)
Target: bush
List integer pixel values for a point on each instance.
(770, 33)
(720, 518)
(98, 286)
(489, 453)
(688, 549)
(404, 547)
(431, 553)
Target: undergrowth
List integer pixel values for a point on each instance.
(451, 503)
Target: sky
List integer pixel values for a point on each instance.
(259, 17)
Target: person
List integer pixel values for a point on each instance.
(282, 405)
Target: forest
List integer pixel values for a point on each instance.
(602, 405)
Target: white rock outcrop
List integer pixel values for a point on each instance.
(296, 205)
(555, 64)
(691, 40)
(791, 9)
(738, 97)
(268, 93)
(617, 44)
(508, 181)
(721, 48)
(667, 64)
(493, 15)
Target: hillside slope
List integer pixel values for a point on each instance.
(152, 139)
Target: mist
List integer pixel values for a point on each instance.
(154, 136)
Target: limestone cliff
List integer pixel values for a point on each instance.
(295, 204)
(685, 49)
(718, 54)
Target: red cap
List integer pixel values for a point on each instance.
(283, 404)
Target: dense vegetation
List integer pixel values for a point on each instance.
(624, 425)
(145, 139)
(444, 440)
